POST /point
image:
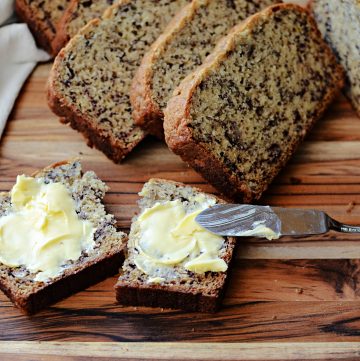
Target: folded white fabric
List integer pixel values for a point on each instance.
(18, 57)
(6, 10)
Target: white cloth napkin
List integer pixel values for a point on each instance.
(18, 57)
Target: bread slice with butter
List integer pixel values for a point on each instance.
(172, 262)
(55, 236)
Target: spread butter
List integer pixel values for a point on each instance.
(171, 237)
(43, 231)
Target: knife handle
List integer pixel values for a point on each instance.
(341, 227)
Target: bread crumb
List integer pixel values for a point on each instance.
(274, 317)
(299, 291)
(350, 207)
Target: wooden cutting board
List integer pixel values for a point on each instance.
(287, 290)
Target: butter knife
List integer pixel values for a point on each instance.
(268, 222)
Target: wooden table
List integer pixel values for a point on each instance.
(285, 293)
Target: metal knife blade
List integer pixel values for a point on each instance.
(262, 221)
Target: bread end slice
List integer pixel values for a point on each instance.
(102, 261)
(188, 291)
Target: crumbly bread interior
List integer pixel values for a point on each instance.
(83, 12)
(208, 284)
(195, 40)
(254, 105)
(87, 190)
(47, 11)
(339, 22)
(95, 71)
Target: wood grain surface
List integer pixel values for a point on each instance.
(110, 351)
(303, 290)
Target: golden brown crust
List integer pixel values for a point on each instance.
(179, 136)
(113, 147)
(146, 111)
(42, 33)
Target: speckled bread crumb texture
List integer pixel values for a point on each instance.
(91, 77)
(186, 43)
(195, 41)
(247, 109)
(339, 22)
(76, 16)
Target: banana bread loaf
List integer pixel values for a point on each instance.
(169, 285)
(238, 119)
(102, 260)
(190, 37)
(90, 80)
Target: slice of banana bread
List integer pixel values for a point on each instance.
(76, 16)
(90, 80)
(238, 119)
(172, 286)
(94, 265)
(186, 43)
(339, 22)
(42, 16)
